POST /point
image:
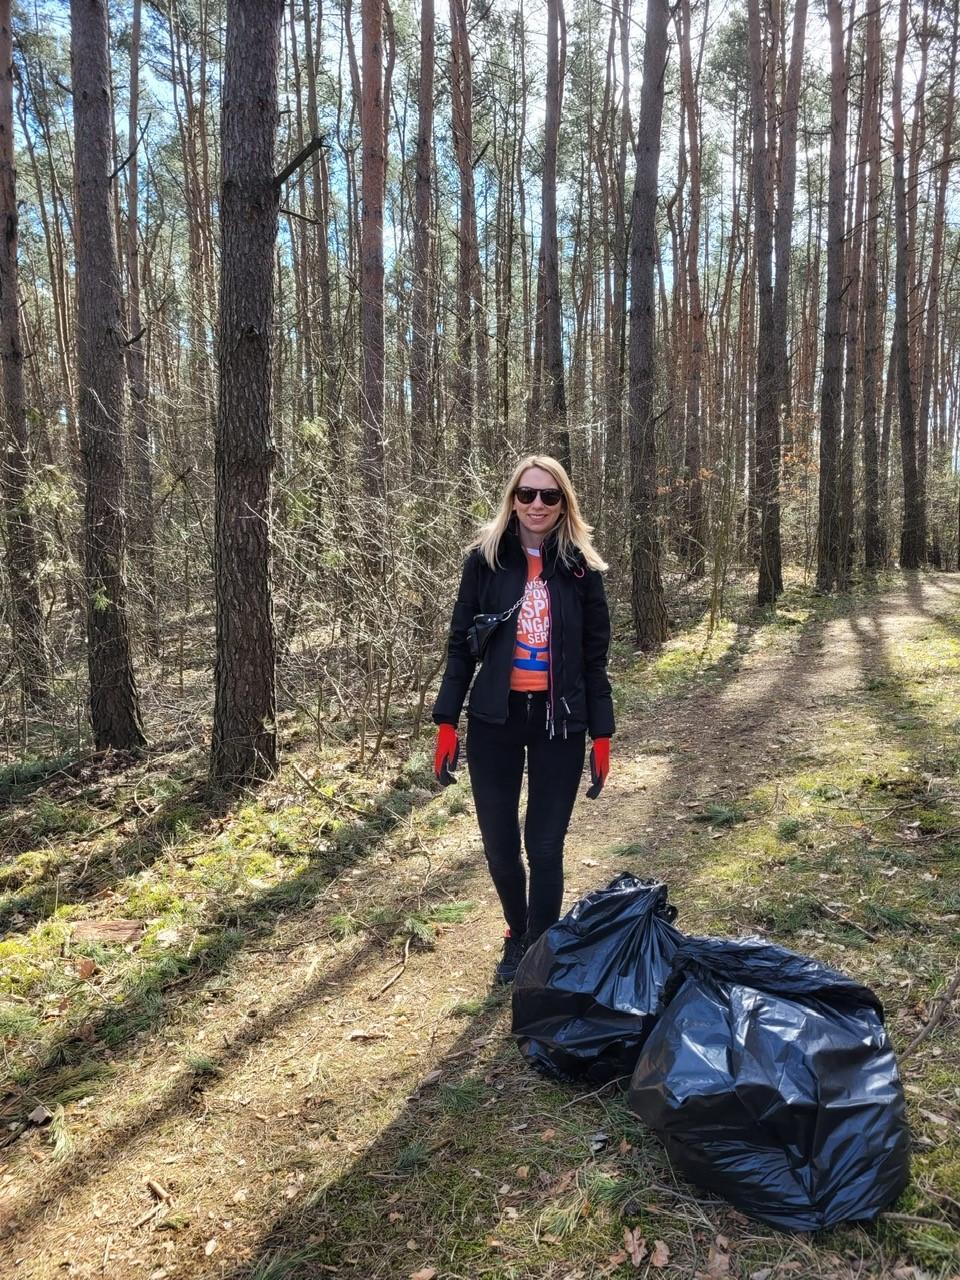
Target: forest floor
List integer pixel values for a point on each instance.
(290, 1063)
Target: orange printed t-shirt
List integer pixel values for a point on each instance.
(531, 659)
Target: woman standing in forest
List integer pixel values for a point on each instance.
(532, 613)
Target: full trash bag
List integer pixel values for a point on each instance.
(587, 991)
(770, 1079)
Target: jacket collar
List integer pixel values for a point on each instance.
(513, 550)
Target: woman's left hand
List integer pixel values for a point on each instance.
(599, 766)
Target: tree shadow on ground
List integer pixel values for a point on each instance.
(183, 1092)
(177, 973)
(74, 879)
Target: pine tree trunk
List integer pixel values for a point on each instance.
(694, 524)
(555, 400)
(770, 580)
(853, 299)
(244, 724)
(372, 385)
(911, 536)
(114, 703)
(872, 320)
(783, 228)
(831, 389)
(421, 407)
(932, 326)
(461, 79)
(21, 539)
(649, 611)
(142, 540)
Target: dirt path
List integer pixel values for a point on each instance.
(304, 1076)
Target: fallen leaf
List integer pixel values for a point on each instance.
(763, 1274)
(617, 1259)
(425, 1273)
(598, 1142)
(40, 1115)
(635, 1245)
(523, 1171)
(718, 1262)
(108, 930)
(86, 968)
(211, 1246)
(368, 1035)
(624, 1147)
(394, 1216)
(661, 1254)
(493, 1243)
(548, 1135)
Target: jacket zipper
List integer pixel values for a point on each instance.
(550, 703)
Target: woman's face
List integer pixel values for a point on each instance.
(537, 517)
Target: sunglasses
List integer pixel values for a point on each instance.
(525, 495)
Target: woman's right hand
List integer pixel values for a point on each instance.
(446, 755)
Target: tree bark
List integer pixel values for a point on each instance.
(461, 78)
(114, 702)
(831, 389)
(142, 541)
(29, 642)
(555, 400)
(911, 536)
(649, 610)
(783, 228)
(421, 350)
(770, 579)
(374, 147)
(244, 724)
(872, 320)
(694, 527)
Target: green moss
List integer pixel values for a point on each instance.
(932, 821)
(152, 899)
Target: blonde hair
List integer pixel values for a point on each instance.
(572, 531)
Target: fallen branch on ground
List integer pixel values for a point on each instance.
(941, 1005)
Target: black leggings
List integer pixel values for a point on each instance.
(495, 754)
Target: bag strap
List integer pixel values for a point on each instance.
(508, 613)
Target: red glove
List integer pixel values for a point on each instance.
(447, 754)
(599, 766)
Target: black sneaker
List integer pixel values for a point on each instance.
(514, 950)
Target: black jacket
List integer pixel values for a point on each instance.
(579, 639)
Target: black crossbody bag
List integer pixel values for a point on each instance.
(483, 627)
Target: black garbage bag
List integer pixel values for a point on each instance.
(770, 1079)
(586, 992)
